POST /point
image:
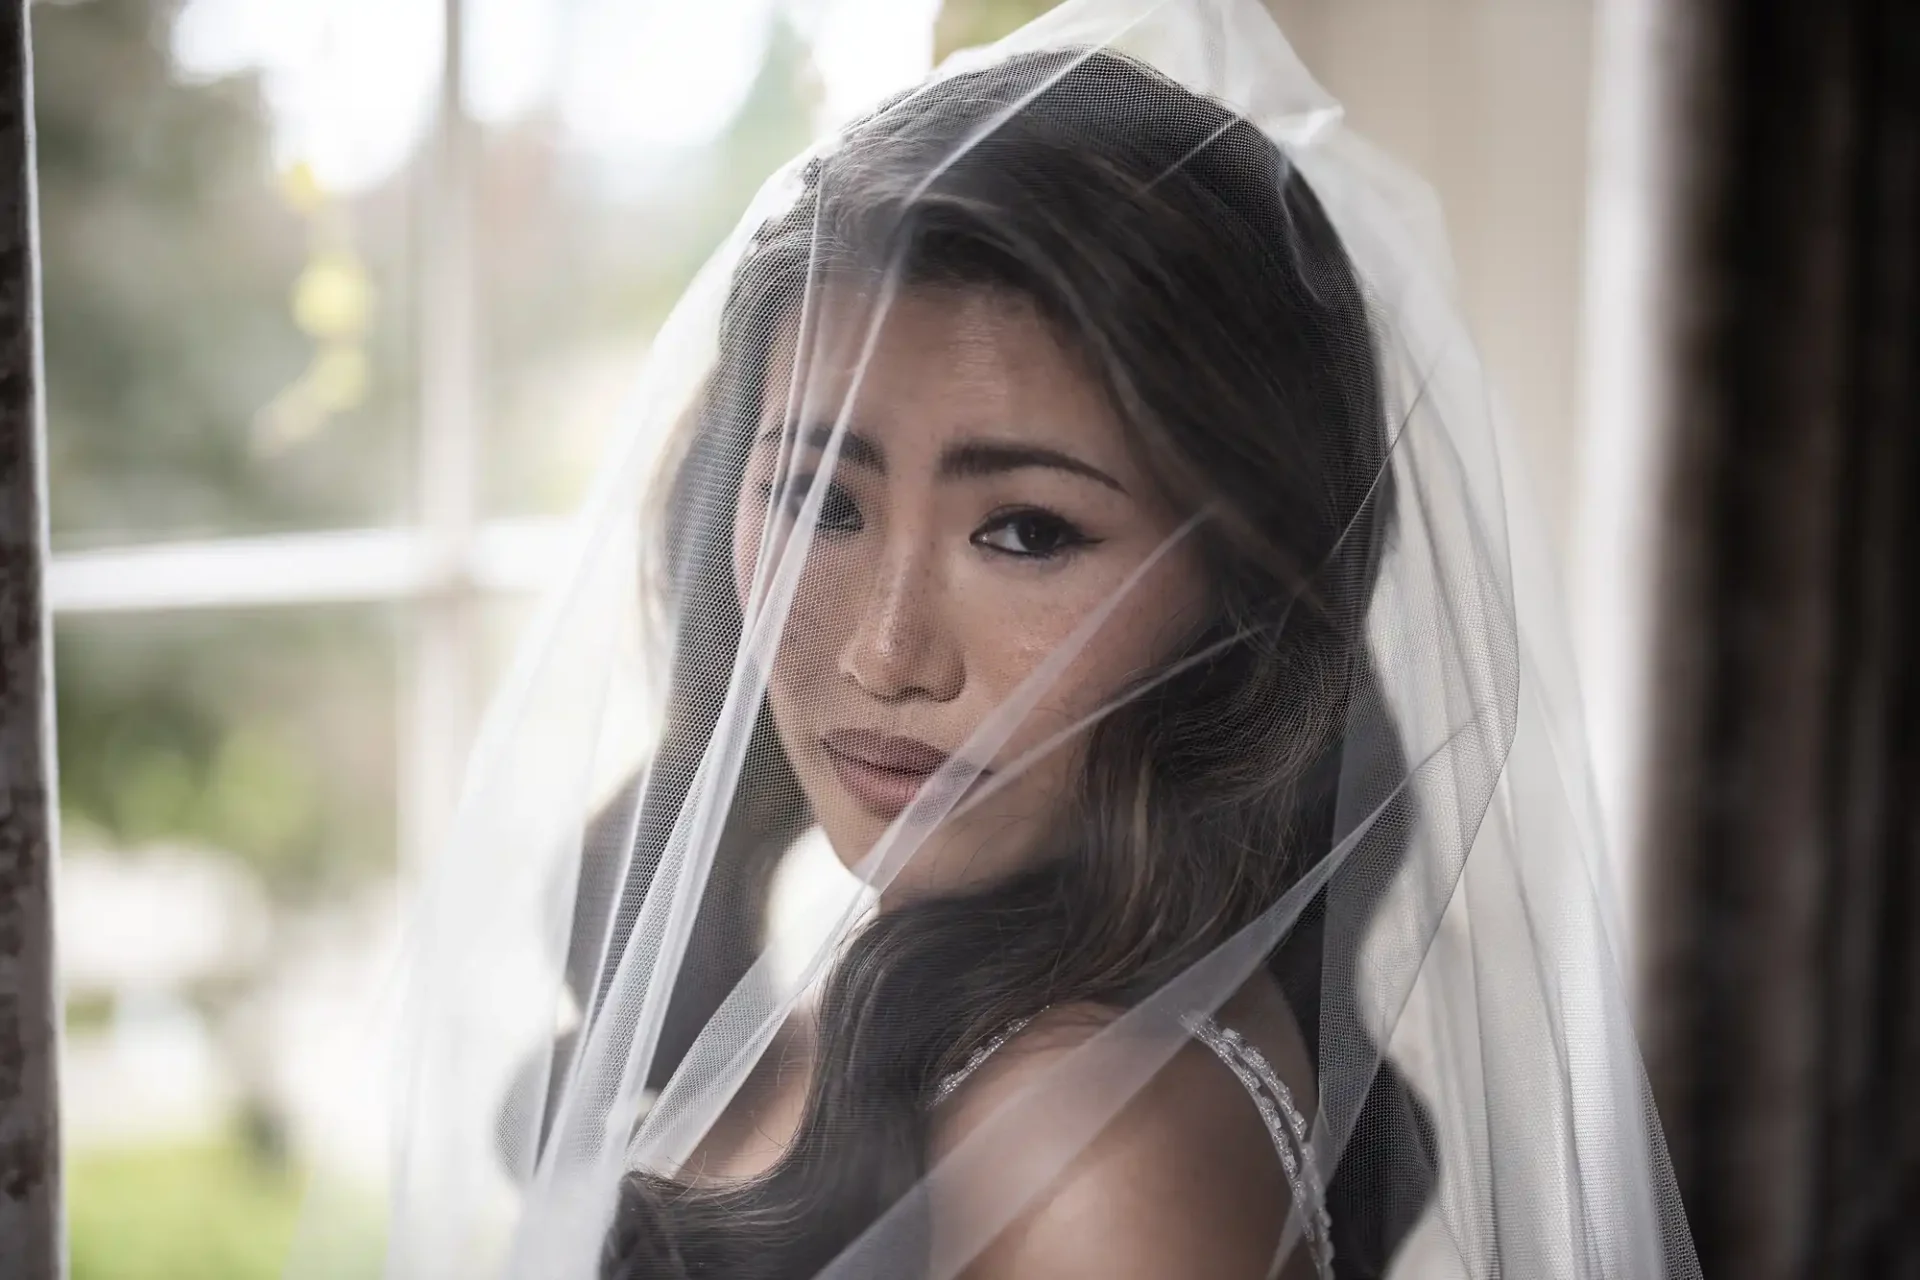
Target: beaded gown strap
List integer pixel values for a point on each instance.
(954, 1079)
(1286, 1126)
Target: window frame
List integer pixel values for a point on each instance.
(444, 564)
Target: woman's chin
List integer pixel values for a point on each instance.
(958, 853)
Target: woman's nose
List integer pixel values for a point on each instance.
(901, 648)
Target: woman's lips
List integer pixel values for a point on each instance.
(883, 773)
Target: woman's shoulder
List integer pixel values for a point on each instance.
(1184, 1179)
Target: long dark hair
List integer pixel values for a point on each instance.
(1179, 251)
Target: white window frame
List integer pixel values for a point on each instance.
(442, 565)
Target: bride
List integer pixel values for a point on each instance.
(1081, 511)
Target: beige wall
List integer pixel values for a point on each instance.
(1494, 102)
(1488, 100)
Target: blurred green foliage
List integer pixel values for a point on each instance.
(168, 261)
(266, 736)
(205, 1211)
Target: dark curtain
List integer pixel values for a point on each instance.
(1783, 857)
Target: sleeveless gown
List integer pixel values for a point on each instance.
(1285, 1124)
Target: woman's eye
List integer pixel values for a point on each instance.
(838, 513)
(1030, 534)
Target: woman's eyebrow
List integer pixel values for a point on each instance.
(854, 448)
(966, 460)
(986, 457)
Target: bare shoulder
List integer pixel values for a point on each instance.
(1184, 1180)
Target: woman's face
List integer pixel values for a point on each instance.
(984, 503)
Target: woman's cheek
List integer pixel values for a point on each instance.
(1128, 641)
(817, 624)
(1009, 628)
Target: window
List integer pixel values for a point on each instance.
(333, 340)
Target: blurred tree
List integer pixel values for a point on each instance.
(179, 272)
(170, 262)
(265, 736)
(965, 23)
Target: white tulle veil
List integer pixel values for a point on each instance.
(591, 975)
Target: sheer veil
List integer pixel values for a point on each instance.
(1387, 784)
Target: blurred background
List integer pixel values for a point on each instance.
(340, 298)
